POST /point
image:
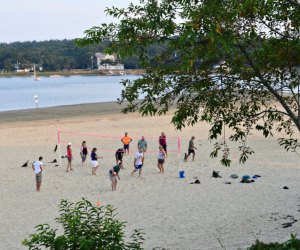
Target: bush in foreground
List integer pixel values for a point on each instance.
(291, 244)
(85, 227)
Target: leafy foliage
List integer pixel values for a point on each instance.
(56, 55)
(239, 61)
(51, 55)
(85, 227)
(291, 244)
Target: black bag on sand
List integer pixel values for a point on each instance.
(216, 174)
(195, 182)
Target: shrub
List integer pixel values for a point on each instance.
(85, 227)
(291, 244)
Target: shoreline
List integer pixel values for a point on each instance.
(81, 72)
(61, 112)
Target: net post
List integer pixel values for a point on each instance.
(178, 152)
(59, 150)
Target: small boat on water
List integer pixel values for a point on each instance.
(54, 76)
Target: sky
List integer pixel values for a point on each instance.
(29, 20)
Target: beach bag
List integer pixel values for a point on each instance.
(216, 174)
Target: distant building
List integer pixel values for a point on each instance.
(22, 70)
(18, 68)
(108, 62)
(111, 67)
(102, 56)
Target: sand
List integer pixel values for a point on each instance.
(172, 213)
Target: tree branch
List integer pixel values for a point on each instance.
(296, 3)
(270, 111)
(274, 30)
(272, 91)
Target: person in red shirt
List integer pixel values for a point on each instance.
(163, 142)
(69, 157)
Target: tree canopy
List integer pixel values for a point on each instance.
(56, 55)
(237, 60)
(51, 55)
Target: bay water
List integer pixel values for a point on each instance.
(18, 93)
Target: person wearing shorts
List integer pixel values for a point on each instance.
(37, 167)
(162, 140)
(142, 143)
(126, 141)
(161, 159)
(113, 175)
(138, 162)
(94, 161)
(69, 157)
(119, 156)
(83, 152)
(191, 149)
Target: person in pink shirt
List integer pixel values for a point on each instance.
(69, 157)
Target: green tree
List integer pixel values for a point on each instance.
(238, 60)
(85, 227)
(8, 65)
(58, 55)
(292, 243)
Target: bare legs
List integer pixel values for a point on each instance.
(69, 166)
(38, 186)
(161, 168)
(114, 185)
(140, 172)
(94, 169)
(187, 156)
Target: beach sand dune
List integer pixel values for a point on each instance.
(172, 213)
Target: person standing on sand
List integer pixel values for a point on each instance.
(163, 142)
(69, 157)
(94, 160)
(142, 143)
(161, 159)
(191, 149)
(37, 166)
(83, 152)
(119, 156)
(113, 174)
(138, 162)
(126, 140)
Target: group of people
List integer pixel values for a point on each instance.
(139, 158)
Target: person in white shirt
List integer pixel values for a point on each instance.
(161, 159)
(138, 162)
(37, 167)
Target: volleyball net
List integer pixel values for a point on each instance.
(109, 144)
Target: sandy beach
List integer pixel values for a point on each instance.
(173, 213)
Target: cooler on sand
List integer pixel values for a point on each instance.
(181, 174)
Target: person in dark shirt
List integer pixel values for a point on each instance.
(162, 140)
(94, 158)
(83, 152)
(191, 149)
(113, 175)
(119, 156)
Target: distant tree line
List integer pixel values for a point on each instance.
(55, 55)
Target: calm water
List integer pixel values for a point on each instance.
(18, 92)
